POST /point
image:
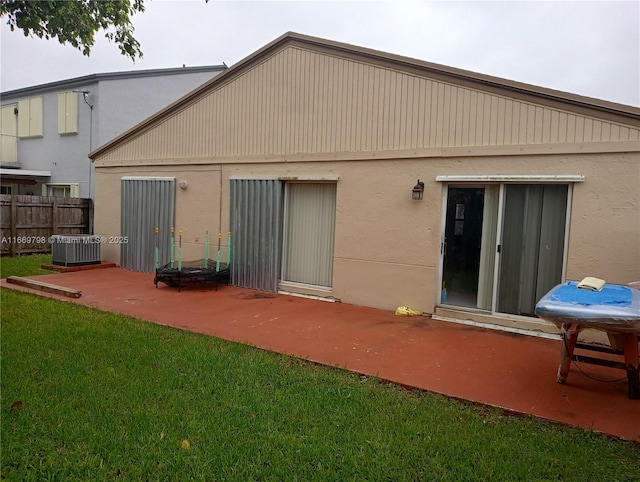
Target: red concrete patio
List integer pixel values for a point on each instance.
(514, 372)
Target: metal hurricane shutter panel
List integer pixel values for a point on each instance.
(256, 228)
(147, 203)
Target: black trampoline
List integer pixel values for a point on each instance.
(192, 272)
(177, 273)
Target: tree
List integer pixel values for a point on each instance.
(77, 21)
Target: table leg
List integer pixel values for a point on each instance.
(569, 339)
(632, 364)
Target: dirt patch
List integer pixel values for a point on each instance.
(257, 295)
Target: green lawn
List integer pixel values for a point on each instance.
(24, 265)
(90, 395)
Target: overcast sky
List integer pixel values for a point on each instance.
(586, 48)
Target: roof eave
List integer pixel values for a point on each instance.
(476, 77)
(93, 78)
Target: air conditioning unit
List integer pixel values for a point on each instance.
(75, 249)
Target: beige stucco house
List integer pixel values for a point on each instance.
(309, 151)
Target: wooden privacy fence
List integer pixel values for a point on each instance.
(27, 222)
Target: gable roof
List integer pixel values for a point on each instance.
(517, 90)
(93, 78)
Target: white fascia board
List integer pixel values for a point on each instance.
(147, 178)
(318, 178)
(526, 178)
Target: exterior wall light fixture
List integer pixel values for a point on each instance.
(418, 191)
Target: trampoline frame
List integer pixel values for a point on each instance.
(175, 278)
(202, 271)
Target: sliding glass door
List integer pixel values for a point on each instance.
(309, 232)
(462, 248)
(532, 247)
(503, 245)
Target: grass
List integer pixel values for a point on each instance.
(24, 265)
(103, 396)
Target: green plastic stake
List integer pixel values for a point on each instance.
(218, 255)
(206, 250)
(229, 250)
(173, 246)
(180, 250)
(157, 230)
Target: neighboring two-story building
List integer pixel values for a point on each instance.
(48, 130)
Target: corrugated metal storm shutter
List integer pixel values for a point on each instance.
(310, 215)
(256, 225)
(147, 203)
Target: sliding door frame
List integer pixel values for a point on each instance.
(499, 233)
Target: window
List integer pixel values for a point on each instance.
(309, 232)
(9, 126)
(67, 113)
(30, 117)
(61, 189)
